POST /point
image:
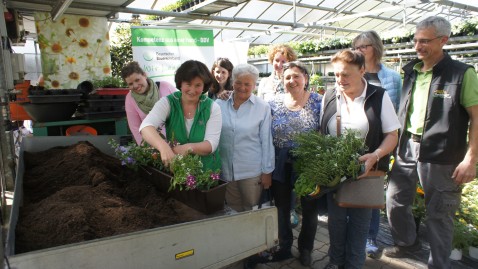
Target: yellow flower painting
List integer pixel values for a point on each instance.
(73, 49)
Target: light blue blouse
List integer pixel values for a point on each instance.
(245, 146)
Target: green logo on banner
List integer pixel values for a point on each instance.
(148, 55)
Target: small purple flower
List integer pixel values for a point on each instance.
(123, 149)
(130, 160)
(191, 182)
(215, 176)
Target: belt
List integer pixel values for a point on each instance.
(415, 138)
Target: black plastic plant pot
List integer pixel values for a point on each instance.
(46, 112)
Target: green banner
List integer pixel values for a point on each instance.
(168, 37)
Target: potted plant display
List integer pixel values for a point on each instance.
(185, 179)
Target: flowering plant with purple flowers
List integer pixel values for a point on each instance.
(134, 156)
(188, 174)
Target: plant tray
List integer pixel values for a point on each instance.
(86, 109)
(104, 115)
(60, 98)
(107, 103)
(207, 202)
(106, 97)
(112, 91)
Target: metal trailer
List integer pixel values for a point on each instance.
(209, 243)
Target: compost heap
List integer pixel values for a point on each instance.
(78, 193)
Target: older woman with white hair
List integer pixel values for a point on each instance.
(246, 148)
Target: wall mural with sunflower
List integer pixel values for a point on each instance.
(73, 49)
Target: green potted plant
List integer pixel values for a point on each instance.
(315, 81)
(473, 248)
(186, 181)
(334, 158)
(461, 239)
(109, 82)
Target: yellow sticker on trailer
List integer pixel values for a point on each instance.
(184, 254)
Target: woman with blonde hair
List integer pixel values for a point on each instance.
(278, 56)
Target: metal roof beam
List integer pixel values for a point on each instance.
(329, 9)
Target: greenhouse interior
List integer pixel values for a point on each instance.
(63, 86)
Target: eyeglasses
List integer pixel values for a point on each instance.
(424, 41)
(363, 47)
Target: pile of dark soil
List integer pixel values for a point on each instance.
(77, 193)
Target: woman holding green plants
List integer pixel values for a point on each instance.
(366, 109)
(144, 93)
(370, 45)
(193, 121)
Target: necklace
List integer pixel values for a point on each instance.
(190, 110)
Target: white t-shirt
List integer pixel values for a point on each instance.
(160, 112)
(354, 117)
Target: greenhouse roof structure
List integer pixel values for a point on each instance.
(267, 21)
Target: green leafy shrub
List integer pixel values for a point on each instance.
(323, 160)
(109, 82)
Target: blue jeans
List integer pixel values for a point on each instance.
(348, 231)
(374, 224)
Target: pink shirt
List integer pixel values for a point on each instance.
(135, 115)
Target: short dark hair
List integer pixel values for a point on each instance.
(191, 69)
(302, 69)
(350, 57)
(131, 68)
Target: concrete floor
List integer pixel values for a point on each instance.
(321, 246)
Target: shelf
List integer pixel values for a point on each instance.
(403, 50)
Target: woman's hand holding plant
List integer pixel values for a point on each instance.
(369, 161)
(166, 153)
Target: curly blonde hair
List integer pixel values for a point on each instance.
(285, 50)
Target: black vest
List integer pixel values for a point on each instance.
(373, 111)
(446, 120)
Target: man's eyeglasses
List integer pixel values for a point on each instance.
(424, 41)
(363, 47)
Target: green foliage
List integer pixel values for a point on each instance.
(258, 50)
(468, 210)
(188, 174)
(474, 237)
(121, 49)
(461, 235)
(109, 82)
(134, 156)
(418, 207)
(176, 5)
(316, 80)
(324, 159)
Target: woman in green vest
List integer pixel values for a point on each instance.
(193, 121)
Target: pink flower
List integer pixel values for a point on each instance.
(191, 182)
(215, 176)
